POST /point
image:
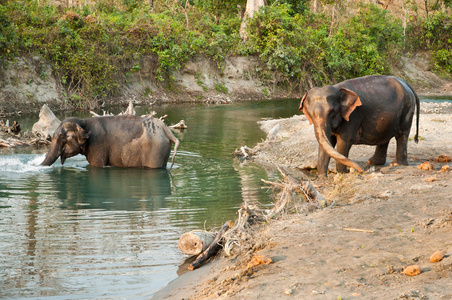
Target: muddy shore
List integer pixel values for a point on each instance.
(402, 216)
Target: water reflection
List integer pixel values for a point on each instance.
(112, 188)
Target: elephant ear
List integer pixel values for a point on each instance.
(82, 135)
(303, 108)
(349, 101)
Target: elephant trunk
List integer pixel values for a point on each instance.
(52, 155)
(329, 149)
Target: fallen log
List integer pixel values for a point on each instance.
(212, 249)
(195, 242)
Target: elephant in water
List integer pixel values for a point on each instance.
(121, 141)
(367, 110)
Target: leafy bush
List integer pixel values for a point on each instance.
(437, 36)
(306, 45)
(365, 44)
(8, 35)
(94, 49)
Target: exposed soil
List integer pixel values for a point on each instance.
(405, 214)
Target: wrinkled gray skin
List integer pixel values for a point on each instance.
(368, 110)
(120, 141)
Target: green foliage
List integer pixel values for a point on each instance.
(220, 88)
(8, 35)
(364, 45)
(96, 49)
(295, 6)
(305, 45)
(448, 3)
(437, 36)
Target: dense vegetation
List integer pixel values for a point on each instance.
(95, 49)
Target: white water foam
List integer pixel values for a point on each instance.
(21, 163)
(31, 163)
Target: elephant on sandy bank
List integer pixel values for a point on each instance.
(120, 141)
(367, 110)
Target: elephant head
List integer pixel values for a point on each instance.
(68, 140)
(327, 108)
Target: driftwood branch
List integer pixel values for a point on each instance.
(244, 152)
(11, 143)
(290, 186)
(248, 216)
(130, 109)
(180, 125)
(212, 249)
(358, 230)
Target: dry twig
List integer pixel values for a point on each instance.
(290, 186)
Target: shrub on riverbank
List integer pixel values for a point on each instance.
(94, 49)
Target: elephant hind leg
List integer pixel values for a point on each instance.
(379, 157)
(401, 152)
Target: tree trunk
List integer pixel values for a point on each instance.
(252, 6)
(195, 242)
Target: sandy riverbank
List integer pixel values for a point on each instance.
(406, 215)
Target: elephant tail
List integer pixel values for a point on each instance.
(176, 142)
(418, 108)
(418, 111)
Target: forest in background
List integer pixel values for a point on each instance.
(95, 47)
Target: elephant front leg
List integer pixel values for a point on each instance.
(401, 152)
(323, 159)
(379, 157)
(343, 147)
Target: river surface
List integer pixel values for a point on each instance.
(80, 232)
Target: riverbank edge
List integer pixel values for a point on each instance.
(194, 285)
(28, 83)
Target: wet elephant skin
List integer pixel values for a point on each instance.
(121, 141)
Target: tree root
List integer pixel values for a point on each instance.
(291, 186)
